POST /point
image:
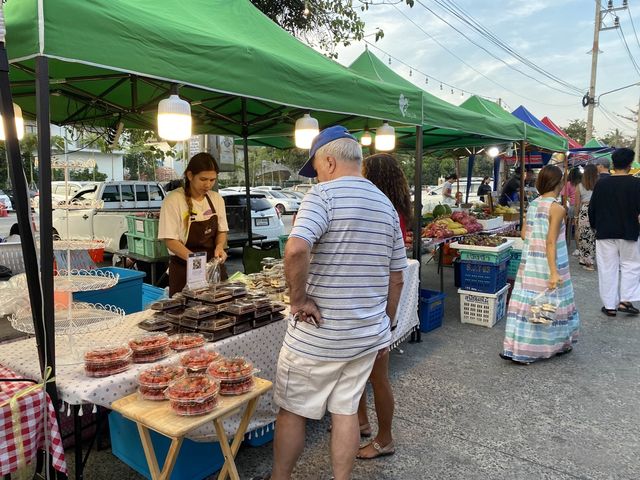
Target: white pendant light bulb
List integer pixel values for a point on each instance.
(306, 130)
(174, 118)
(385, 138)
(17, 113)
(366, 139)
(493, 152)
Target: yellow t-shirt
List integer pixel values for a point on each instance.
(174, 213)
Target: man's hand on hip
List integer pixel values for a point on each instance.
(307, 312)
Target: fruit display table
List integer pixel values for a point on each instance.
(159, 417)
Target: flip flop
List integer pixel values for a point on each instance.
(628, 308)
(389, 449)
(608, 312)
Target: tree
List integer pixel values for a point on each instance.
(322, 23)
(577, 129)
(615, 138)
(142, 156)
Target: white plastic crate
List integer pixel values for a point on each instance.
(485, 309)
(491, 223)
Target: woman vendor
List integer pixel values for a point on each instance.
(193, 219)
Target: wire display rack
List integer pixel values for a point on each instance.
(84, 280)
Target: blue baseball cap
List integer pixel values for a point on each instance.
(327, 135)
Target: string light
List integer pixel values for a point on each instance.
(389, 60)
(410, 72)
(426, 80)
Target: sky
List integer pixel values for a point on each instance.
(557, 36)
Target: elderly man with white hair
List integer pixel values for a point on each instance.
(343, 262)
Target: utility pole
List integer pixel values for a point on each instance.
(589, 100)
(637, 134)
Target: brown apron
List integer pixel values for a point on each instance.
(201, 238)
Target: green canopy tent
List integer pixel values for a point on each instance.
(109, 61)
(532, 135)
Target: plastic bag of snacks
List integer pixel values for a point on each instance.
(544, 307)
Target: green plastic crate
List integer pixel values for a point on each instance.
(486, 257)
(142, 226)
(152, 248)
(514, 264)
(282, 241)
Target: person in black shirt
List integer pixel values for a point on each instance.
(613, 213)
(511, 189)
(484, 188)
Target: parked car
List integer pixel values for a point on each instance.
(268, 187)
(4, 199)
(61, 191)
(293, 194)
(302, 187)
(280, 201)
(109, 222)
(265, 218)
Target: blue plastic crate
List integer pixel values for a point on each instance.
(151, 294)
(514, 264)
(483, 277)
(431, 309)
(196, 460)
(126, 294)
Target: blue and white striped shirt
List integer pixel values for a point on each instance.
(355, 238)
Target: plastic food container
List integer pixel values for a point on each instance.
(153, 356)
(240, 307)
(186, 341)
(230, 370)
(167, 304)
(149, 342)
(154, 381)
(193, 395)
(201, 311)
(198, 360)
(155, 324)
(237, 388)
(105, 361)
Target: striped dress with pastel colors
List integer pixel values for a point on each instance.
(525, 341)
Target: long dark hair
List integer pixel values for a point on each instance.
(384, 172)
(574, 177)
(589, 176)
(200, 162)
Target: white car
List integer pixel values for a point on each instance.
(265, 218)
(294, 194)
(280, 201)
(4, 199)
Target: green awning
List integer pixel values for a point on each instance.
(118, 58)
(533, 136)
(445, 125)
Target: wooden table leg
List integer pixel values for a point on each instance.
(238, 437)
(229, 458)
(149, 453)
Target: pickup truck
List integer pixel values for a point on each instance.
(120, 198)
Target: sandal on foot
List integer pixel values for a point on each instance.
(628, 308)
(589, 268)
(390, 449)
(504, 357)
(608, 312)
(564, 352)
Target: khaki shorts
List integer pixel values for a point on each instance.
(309, 387)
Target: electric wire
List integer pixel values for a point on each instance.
(626, 46)
(431, 37)
(512, 67)
(635, 33)
(466, 18)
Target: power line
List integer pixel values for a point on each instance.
(626, 46)
(492, 54)
(431, 37)
(633, 25)
(465, 17)
(427, 76)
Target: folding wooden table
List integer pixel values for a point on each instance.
(159, 417)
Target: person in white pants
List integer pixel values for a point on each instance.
(613, 214)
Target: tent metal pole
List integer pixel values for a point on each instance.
(23, 211)
(245, 147)
(417, 213)
(522, 173)
(46, 226)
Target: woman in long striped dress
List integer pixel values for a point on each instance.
(544, 266)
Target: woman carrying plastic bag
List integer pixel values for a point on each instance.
(542, 320)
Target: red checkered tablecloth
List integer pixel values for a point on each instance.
(31, 426)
